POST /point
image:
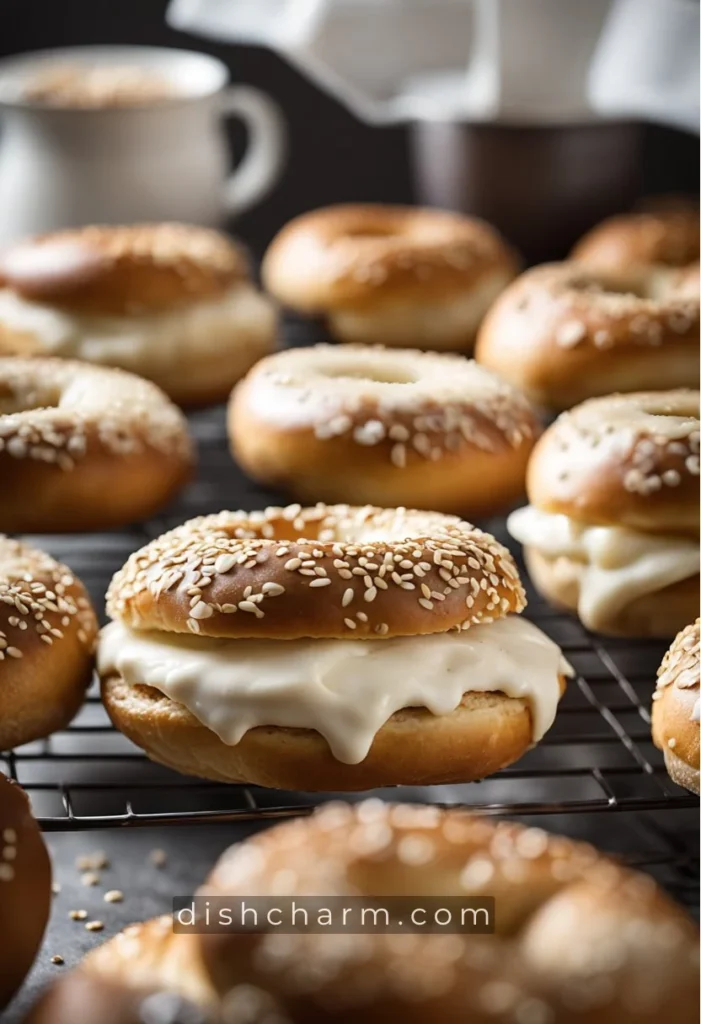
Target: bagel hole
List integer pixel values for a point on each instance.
(605, 285)
(375, 374)
(370, 233)
(13, 402)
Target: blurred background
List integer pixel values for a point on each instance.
(334, 156)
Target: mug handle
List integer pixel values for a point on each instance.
(265, 153)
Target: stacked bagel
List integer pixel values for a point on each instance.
(327, 648)
(170, 302)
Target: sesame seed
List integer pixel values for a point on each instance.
(94, 926)
(347, 597)
(320, 582)
(224, 563)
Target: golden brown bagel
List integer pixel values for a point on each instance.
(85, 448)
(47, 635)
(234, 651)
(612, 526)
(579, 939)
(171, 302)
(25, 886)
(241, 574)
(675, 711)
(390, 275)
(666, 235)
(386, 427)
(564, 332)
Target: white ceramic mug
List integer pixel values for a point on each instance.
(164, 160)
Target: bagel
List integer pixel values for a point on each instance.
(80, 996)
(47, 637)
(579, 939)
(386, 427)
(675, 709)
(170, 302)
(233, 651)
(25, 885)
(666, 235)
(390, 275)
(85, 448)
(564, 332)
(612, 529)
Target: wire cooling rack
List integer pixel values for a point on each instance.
(598, 757)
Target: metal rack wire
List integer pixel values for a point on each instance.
(598, 757)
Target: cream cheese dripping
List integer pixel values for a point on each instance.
(618, 564)
(343, 689)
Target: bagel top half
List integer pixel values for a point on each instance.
(123, 270)
(290, 572)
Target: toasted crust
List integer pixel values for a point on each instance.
(391, 275)
(675, 709)
(487, 732)
(123, 270)
(360, 255)
(47, 635)
(25, 881)
(625, 460)
(85, 448)
(667, 236)
(565, 333)
(659, 614)
(386, 427)
(240, 574)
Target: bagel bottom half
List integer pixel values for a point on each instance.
(660, 614)
(488, 731)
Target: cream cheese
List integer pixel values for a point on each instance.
(146, 343)
(344, 689)
(618, 564)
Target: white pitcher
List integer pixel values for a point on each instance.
(164, 160)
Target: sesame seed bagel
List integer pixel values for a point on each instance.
(47, 635)
(391, 275)
(613, 522)
(675, 709)
(327, 571)
(565, 332)
(579, 938)
(625, 460)
(85, 448)
(123, 269)
(25, 886)
(667, 236)
(383, 426)
(170, 302)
